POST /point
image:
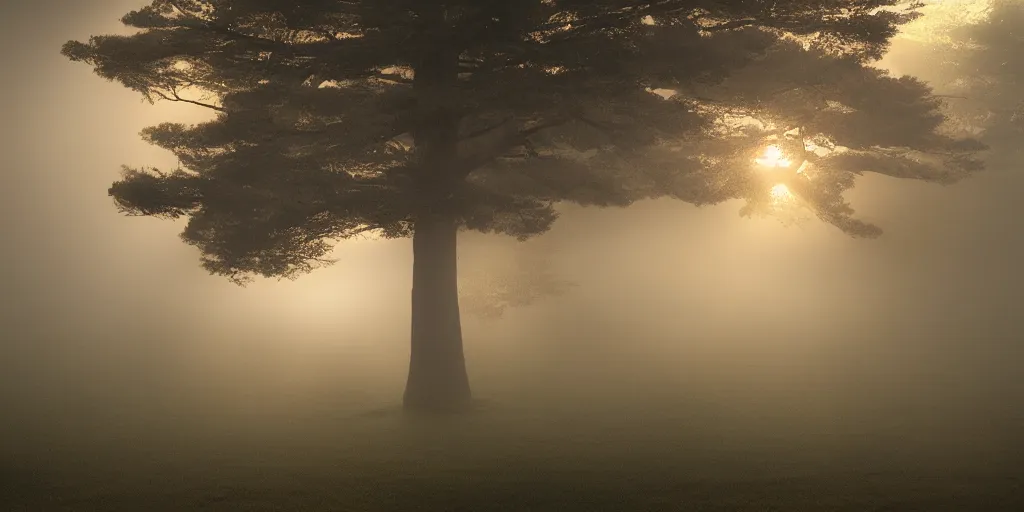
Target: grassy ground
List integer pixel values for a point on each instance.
(729, 428)
(625, 491)
(506, 458)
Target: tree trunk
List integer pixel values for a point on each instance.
(438, 381)
(437, 368)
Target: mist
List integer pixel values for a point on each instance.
(690, 338)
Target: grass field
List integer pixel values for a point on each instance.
(576, 424)
(516, 459)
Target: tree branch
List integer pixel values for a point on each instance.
(523, 134)
(175, 97)
(731, 25)
(487, 129)
(393, 78)
(201, 23)
(467, 165)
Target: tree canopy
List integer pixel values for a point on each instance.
(971, 56)
(327, 114)
(985, 66)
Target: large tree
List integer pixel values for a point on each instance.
(422, 117)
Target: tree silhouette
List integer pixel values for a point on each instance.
(974, 61)
(422, 117)
(988, 72)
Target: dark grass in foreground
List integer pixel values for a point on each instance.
(506, 460)
(618, 489)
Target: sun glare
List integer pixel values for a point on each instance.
(780, 193)
(773, 157)
(942, 15)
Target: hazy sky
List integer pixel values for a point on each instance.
(96, 304)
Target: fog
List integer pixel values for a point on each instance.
(690, 336)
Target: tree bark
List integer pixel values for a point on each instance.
(438, 381)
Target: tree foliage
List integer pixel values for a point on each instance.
(987, 70)
(973, 60)
(327, 114)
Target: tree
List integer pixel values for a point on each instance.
(974, 61)
(987, 71)
(417, 118)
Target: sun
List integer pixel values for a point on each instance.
(773, 157)
(780, 193)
